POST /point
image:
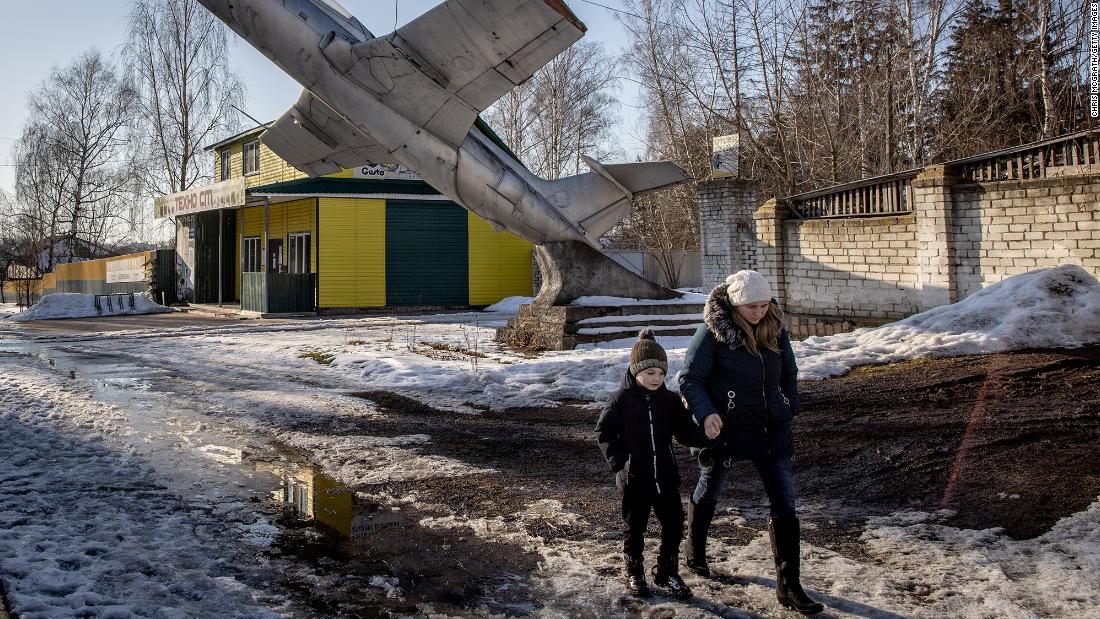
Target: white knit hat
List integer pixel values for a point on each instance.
(748, 287)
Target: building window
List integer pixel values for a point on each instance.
(250, 255)
(250, 157)
(296, 494)
(298, 252)
(224, 164)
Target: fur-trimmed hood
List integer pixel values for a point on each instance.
(718, 316)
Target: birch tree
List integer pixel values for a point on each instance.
(71, 174)
(178, 53)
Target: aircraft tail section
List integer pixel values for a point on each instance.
(599, 199)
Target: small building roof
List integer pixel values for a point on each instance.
(248, 132)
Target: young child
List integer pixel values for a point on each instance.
(635, 433)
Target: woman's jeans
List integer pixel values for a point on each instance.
(777, 475)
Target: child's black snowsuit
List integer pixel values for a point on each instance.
(635, 432)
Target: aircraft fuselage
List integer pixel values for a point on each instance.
(311, 41)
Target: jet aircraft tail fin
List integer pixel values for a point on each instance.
(599, 199)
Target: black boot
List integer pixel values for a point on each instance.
(788, 590)
(665, 576)
(635, 576)
(698, 525)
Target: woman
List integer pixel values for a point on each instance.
(741, 384)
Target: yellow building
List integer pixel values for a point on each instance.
(275, 240)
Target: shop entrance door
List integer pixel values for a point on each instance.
(207, 255)
(275, 256)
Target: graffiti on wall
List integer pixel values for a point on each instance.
(185, 258)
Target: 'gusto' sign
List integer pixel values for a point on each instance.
(388, 172)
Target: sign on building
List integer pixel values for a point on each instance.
(723, 162)
(226, 194)
(385, 172)
(126, 270)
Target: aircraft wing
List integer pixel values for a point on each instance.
(443, 68)
(316, 140)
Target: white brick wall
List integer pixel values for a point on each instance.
(958, 239)
(1012, 227)
(727, 232)
(851, 267)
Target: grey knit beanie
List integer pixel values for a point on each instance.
(647, 353)
(748, 287)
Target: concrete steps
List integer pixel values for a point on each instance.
(566, 327)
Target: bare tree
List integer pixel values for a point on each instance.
(20, 255)
(71, 172)
(1060, 34)
(927, 23)
(511, 118)
(9, 253)
(41, 190)
(178, 53)
(566, 111)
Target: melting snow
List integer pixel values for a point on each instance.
(90, 521)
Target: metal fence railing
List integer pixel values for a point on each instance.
(892, 194)
(1033, 161)
(878, 196)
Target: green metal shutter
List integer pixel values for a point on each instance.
(427, 255)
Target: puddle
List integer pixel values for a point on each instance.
(402, 564)
(343, 554)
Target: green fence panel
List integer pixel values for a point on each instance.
(253, 298)
(289, 292)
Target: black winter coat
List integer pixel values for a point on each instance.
(635, 432)
(756, 395)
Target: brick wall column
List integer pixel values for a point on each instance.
(725, 219)
(772, 248)
(932, 206)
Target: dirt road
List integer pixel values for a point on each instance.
(1003, 440)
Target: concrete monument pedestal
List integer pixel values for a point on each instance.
(571, 270)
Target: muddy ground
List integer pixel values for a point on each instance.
(1006, 440)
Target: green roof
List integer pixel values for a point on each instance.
(328, 185)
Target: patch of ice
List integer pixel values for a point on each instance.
(259, 533)
(387, 584)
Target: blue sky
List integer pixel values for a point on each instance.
(36, 36)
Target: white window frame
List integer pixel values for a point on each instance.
(251, 255)
(298, 253)
(296, 494)
(250, 158)
(225, 157)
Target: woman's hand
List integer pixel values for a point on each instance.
(712, 425)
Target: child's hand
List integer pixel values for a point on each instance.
(712, 425)
(623, 476)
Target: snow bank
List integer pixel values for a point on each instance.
(8, 309)
(1057, 307)
(968, 573)
(1047, 308)
(76, 305)
(509, 305)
